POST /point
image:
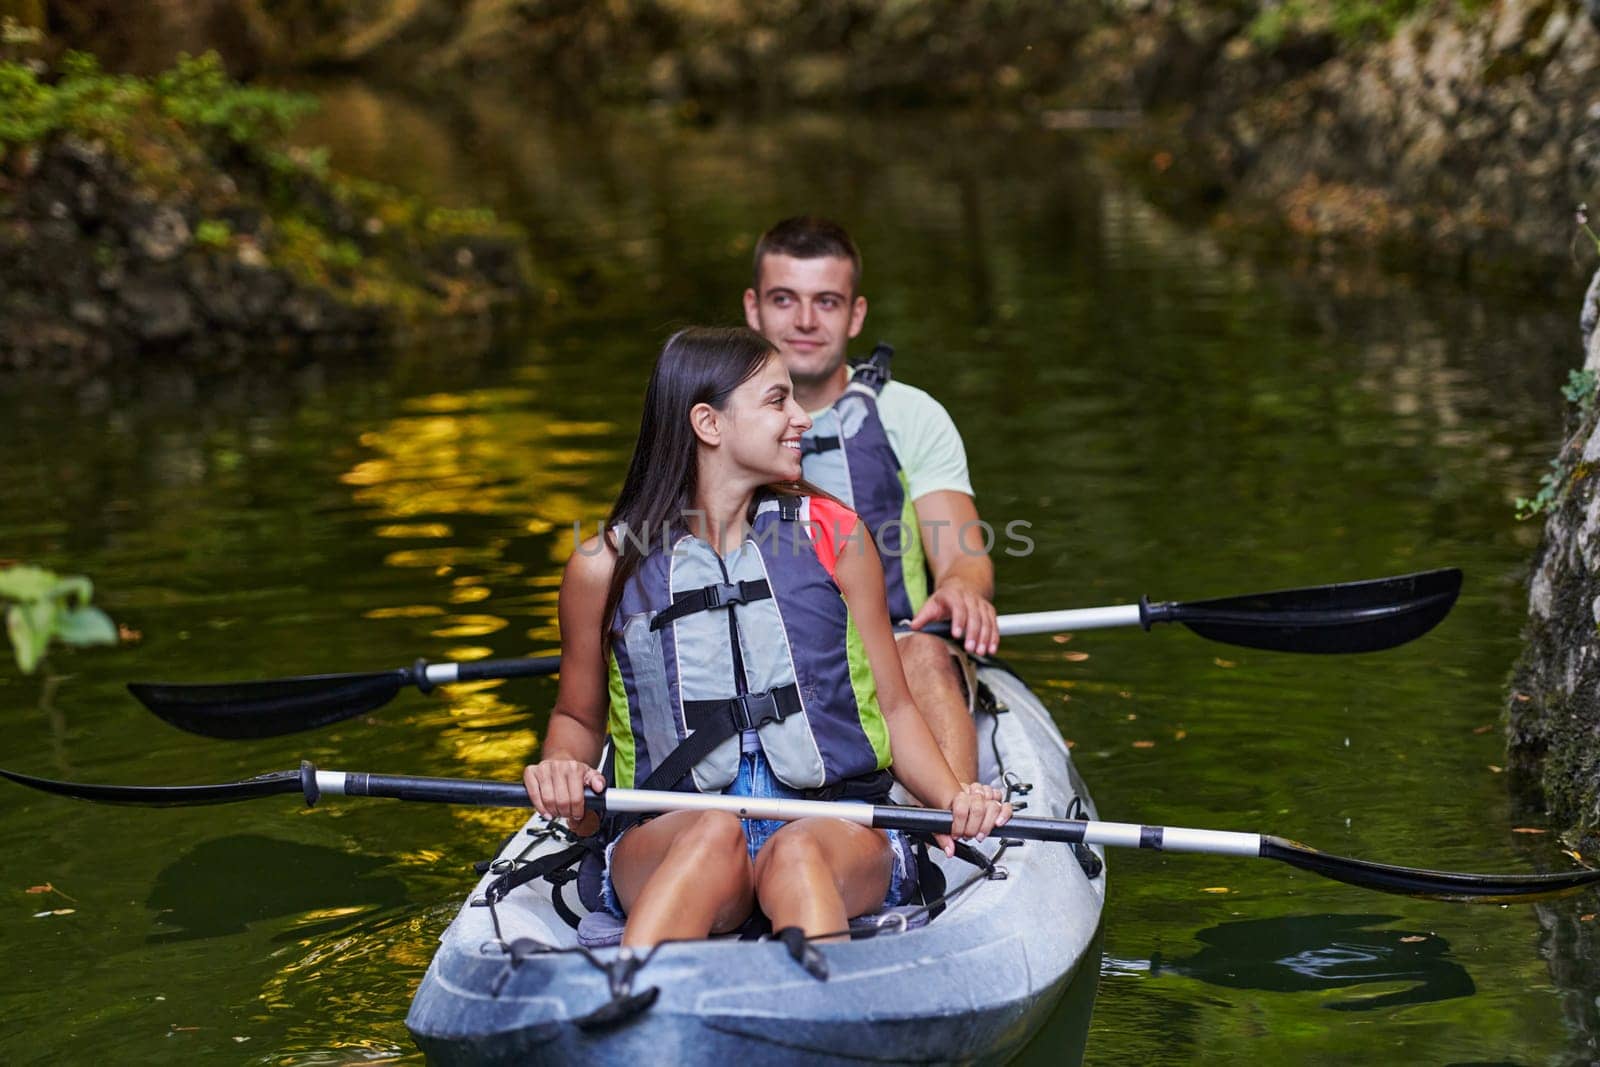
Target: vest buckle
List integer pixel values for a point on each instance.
(724, 594)
(756, 709)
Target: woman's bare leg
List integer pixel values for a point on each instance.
(682, 875)
(816, 873)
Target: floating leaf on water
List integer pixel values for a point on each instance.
(46, 888)
(241, 1040)
(1589, 918)
(1412, 939)
(1075, 657)
(1485, 728)
(1070, 743)
(1219, 661)
(1528, 830)
(1216, 889)
(1132, 716)
(1061, 639)
(1180, 735)
(1521, 698)
(1125, 694)
(1496, 768)
(1144, 744)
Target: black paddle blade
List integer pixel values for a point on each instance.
(248, 710)
(1354, 617)
(1432, 885)
(166, 796)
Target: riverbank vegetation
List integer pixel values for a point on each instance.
(167, 213)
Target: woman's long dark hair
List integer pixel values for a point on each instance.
(698, 365)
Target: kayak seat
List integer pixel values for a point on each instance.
(601, 929)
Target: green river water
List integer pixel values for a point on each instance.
(1171, 417)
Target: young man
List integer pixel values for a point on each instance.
(893, 454)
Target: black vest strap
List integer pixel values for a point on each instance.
(873, 372)
(721, 595)
(713, 722)
(811, 445)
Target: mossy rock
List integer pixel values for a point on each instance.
(144, 215)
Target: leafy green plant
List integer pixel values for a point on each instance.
(196, 93)
(45, 607)
(213, 233)
(1582, 388)
(1351, 21)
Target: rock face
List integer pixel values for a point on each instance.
(1465, 138)
(1554, 730)
(96, 267)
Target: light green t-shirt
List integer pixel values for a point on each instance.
(926, 440)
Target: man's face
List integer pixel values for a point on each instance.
(808, 308)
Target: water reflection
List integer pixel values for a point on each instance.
(1314, 953)
(204, 893)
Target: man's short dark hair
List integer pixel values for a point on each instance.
(808, 237)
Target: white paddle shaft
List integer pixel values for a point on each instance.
(1053, 622)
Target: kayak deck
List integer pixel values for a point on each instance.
(972, 984)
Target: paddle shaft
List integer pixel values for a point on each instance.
(434, 674)
(878, 816)
(1408, 881)
(1019, 625)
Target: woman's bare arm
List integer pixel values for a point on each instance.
(918, 763)
(576, 735)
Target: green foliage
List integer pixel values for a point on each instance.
(196, 94)
(1581, 389)
(46, 607)
(1551, 489)
(1351, 21)
(213, 233)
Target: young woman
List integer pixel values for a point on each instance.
(730, 633)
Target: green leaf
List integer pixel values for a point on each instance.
(28, 641)
(86, 626)
(71, 585)
(26, 583)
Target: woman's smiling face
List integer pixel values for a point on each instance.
(764, 424)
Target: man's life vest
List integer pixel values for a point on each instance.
(705, 649)
(847, 454)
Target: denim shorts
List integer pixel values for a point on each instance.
(755, 779)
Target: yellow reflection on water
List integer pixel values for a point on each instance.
(405, 611)
(453, 556)
(469, 594)
(414, 529)
(471, 400)
(318, 915)
(470, 626)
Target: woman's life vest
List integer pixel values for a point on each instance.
(847, 453)
(707, 650)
